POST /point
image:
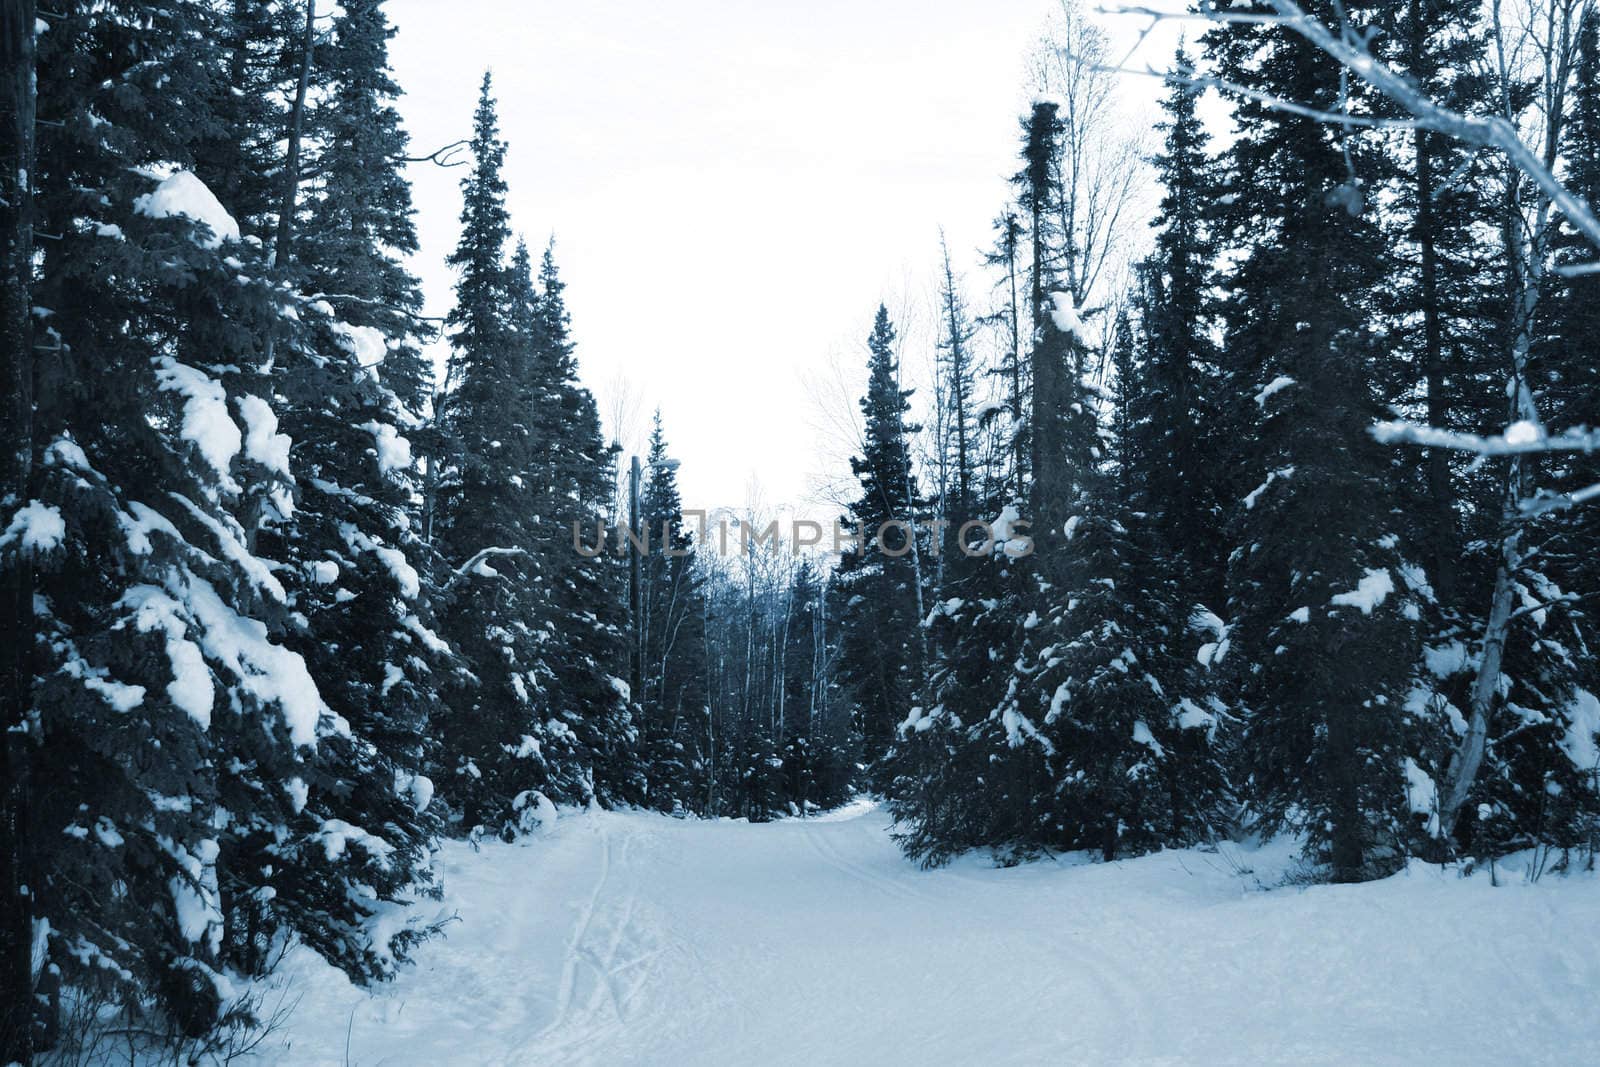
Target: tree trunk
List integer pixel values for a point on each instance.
(1528, 272)
(1468, 758)
(282, 249)
(1424, 232)
(17, 912)
(1019, 455)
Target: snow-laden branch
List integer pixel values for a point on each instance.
(1521, 438)
(472, 565)
(1546, 501)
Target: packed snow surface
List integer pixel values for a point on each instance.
(625, 938)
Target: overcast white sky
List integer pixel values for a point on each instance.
(733, 185)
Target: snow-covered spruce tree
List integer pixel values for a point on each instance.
(1196, 754)
(1008, 417)
(1097, 686)
(967, 779)
(1441, 315)
(349, 384)
(524, 470)
(361, 206)
(974, 491)
(1080, 694)
(1453, 311)
(879, 625)
(492, 739)
(673, 700)
(1573, 375)
(757, 792)
(1322, 629)
(1444, 306)
(164, 706)
(1170, 448)
(587, 600)
(240, 156)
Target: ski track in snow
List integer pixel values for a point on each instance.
(628, 938)
(819, 839)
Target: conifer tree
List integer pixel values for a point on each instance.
(588, 605)
(350, 547)
(18, 910)
(1135, 763)
(365, 204)
(674, 696)
(1010, 372)
(1172, 449)
(170, 713)
(1322, 631)
(879, 623)
(1536, 783)
(240, 156)
(966, 776)
(974, 772)
(540, 624)
(958, 370)
(492, 736)
(1573, 377)
(1095, 742)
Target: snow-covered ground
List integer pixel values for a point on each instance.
(630, 938)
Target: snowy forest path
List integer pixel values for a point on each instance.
(629, 938)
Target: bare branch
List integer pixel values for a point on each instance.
(1210, 81)
(448, 156)
(1350, 50)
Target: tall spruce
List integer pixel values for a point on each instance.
(19, 911)
(1537, 780)
(958, 369)
(1010, 370)
(1322, 629)
(1173, 453)
(586, 627)
(878, 621)
(348, 390)
(673, 647)
(492, 732)
(176, 723)
(1573, 378)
